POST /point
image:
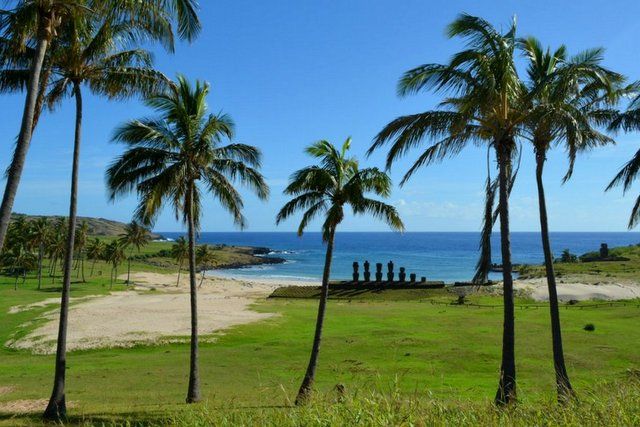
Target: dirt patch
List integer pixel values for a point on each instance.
(27, 406)
(141, 316)
(6, 390)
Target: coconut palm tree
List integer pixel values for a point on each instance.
(568, 98)
(114, 255)
(95, 252)
(40, 235)
(324, 190)
(80, 243)
(34, 24)
(179, 251)
(174, 159)
(88, 54)
(484, 104)
(628, 121)
(135, 236)
(204, 256)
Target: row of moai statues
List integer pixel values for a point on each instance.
(402, 275)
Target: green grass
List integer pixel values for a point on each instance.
(393, 343)
(598, 271)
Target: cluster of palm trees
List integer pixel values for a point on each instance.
(31, 242)
(52, 49)
(564, 101)
(58, 48)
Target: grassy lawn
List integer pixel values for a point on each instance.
(596, 271)
(419, 346)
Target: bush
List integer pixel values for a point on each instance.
(590, 327)
(567, 256)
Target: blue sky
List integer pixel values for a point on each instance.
(292, 72)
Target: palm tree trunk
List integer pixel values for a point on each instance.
(507, 387)
(563, 385)
(193, 393)
(129, 266)
(179, 268)
(93, 265)
(309, 376)
(40, 251)
(56, 409)
(24, 138)
(82, 269)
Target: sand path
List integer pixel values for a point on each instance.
(537, 289)
(123, 319)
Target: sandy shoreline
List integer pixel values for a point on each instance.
(157, 310)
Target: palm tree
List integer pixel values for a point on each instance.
(95, 252)
(114, 254)
(166, 159)
(179, 251)
(135, 236)
(88, 53)
(628, 121)
(82, 234)
(325, 189)
(34, 24)
(204, 256)
(40, 234)
(484, 104)
(567, 97)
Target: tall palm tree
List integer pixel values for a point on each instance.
(179, 251)
(89, 53)
(628, 121)
(114, 255)
(204, 256)
(568, 98)
(135, 236)
(40, 235)
(95, 252)
(166, 160)
(34, 24)
(80, 243)
(484, 104)
(325, 189)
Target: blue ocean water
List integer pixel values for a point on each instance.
(448, 256)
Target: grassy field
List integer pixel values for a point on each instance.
(596, 271)
(415, 349)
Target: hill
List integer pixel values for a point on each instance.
(97, 226)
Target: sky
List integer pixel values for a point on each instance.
(291, 72)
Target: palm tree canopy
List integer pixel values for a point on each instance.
(135, 235)
(95, 249)
(153, 19)
(569, 98)
(94, 52)
(179, 249)
(484, 98)
(179, 148)
(336, 181)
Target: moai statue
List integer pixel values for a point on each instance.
(412, 277)
(604, 250)
(379, 272)
(367, 273)
(402, 276)
(356, 274)
(390, 271)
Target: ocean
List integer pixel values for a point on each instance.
(448, 256)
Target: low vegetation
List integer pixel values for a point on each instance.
(588, 268)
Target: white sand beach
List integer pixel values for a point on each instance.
(155, 310)
(574, 290)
